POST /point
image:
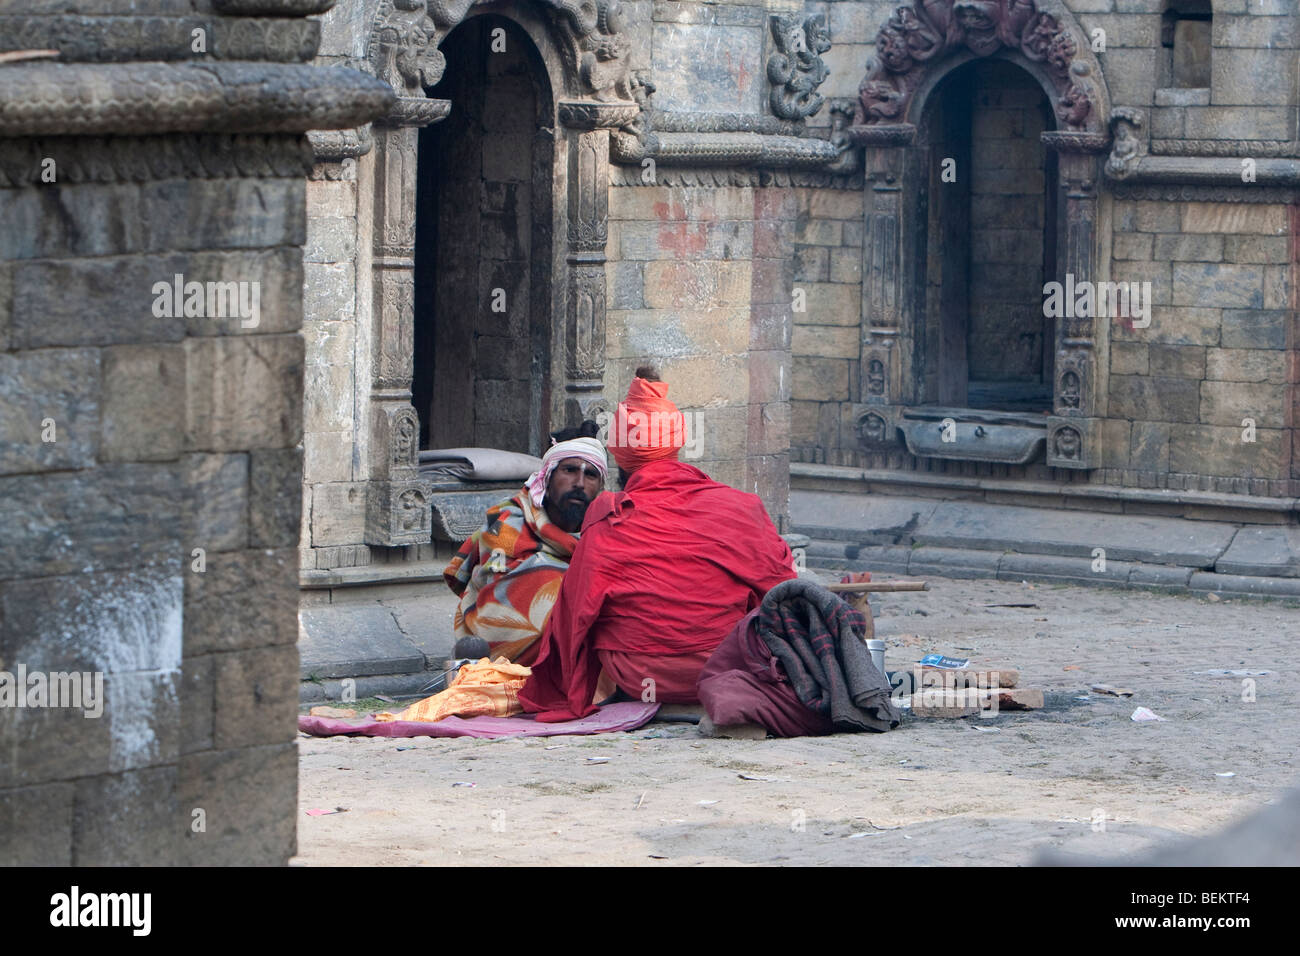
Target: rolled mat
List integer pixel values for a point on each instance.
(612, 718)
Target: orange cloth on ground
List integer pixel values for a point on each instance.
(483, 689)
(647, 426)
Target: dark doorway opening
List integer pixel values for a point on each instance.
(483, 245)
(991, 227)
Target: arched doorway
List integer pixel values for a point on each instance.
(483, 245)
(991, 239)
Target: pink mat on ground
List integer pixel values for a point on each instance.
(626, 715)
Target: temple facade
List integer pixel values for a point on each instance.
(1010, 250)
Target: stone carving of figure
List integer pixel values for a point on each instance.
(1068, 444)
(876, 377)
(872, 429)
(1070, 390)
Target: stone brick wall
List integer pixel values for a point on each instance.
(1185, 391)
(826, 242)
(699, 281)
(129, 441)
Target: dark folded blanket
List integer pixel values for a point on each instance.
(817, 637)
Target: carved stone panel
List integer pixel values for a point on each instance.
(1073, 442)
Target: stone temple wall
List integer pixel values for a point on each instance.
(1201, 202)
(150, 468)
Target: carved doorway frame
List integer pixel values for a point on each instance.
(585, 51)
(917, 48)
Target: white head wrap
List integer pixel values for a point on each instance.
(588, 449)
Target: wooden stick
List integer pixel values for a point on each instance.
(865, 586)
(14, 56)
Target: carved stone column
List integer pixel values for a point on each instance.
(588, 230)
(1073, 430)
(885, 303)
(397, 500)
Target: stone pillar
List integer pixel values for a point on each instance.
(1074, 428)
(151, 394)
(886, 378)
(397, 508)
(588, 229)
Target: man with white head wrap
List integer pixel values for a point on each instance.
(508, 573)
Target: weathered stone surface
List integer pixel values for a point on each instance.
(1146, 216)
(338, 513)
(1220, 284)
(330, 343)
(1268, 552)
(827, 341)
(330, 239)
(36, 825)
(1149, 446)
(1227, 403)
(1029, 530)
(327, 457)
(137, 728)
(117, 819)
(1246, 365)
(217, 487)
(249, 798)
(1145, 398)
(223, 375)
(1257, 79)
(769, 376)
(686, 240)
(1254, 329)
(1133, 245)
(329, 402)
(353, 642)
(1195, 248)
(696, 285)
(864, 519)
(811, 264)
(1177, 361)
(1129, 358)
(770, 326)
(49, 302)
(118, 516)
(823, 380)
(329, 290)
(198, 688)
(707, 380)
(1222, 218)
(1233, 122)
(144, 403)
(50, 393)
(267, 296)
(1210, 450)
(244, 599)
(256, 693)
(692, 82)
(275, 497)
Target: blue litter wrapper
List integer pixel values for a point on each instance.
(938, 660)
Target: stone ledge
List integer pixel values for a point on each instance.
(861, 479)
(85, 99)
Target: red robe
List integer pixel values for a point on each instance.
(662, 573)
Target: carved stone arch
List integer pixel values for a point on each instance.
(917, 48)
(920, 44)
(587, 55)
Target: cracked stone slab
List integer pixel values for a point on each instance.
(1268, 551)
(866, 519)
(354, 640)
(1124, 537)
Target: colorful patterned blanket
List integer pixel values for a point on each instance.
(508, 576)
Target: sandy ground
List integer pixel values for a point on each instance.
(1078, 776)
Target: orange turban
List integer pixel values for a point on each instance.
(647, 427)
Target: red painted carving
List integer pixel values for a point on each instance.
(931, 29)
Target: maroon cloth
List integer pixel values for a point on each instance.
(663, 569)
(743, 683)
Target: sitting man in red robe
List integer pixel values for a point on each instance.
(662, 573)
